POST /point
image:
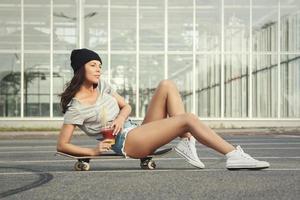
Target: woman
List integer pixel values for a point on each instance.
(164, 121)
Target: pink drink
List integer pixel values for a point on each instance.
(107, 133)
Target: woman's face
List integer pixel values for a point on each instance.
(93, 71)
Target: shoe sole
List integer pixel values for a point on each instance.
(188, 160)
(237, 167)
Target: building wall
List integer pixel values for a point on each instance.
(230, 59)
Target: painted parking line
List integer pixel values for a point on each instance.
(287, 136)
(170, 144)
(199, 150)
(264, 139)
(129, 159)
(268, 143)
(143, 171)
(54, 146)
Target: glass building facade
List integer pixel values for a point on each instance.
(231, 59)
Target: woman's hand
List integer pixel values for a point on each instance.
(102, 146)
(118, 124)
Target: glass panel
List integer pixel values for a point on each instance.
(152, 26)
(264, 22)
(36, 85)
(290, 25)
(95, 24)
(237, 3)
(10, 29)
(65, 32)
(36, 25)
(123, 3)
(180, 3)
(151, 73)
(62, 73)
(10, 79)
(104, 71)
(236, 26)
(236, 82)
(180, 25)
(208, 25)
(181, 72)
(264, 86)
(290, 86)
(208, 89)
(123, 25)
(123, 72)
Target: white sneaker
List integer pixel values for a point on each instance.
(186, 149)
(238, 159)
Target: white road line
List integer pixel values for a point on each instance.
(53, 147)
(28, 147)
(287, 136)
(36, 147)
(123, 159)
(142, 171)
(25, 152)
(267, 143)
(274, 148)
(198, 148)
(261, 139)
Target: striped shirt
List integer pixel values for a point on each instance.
(90, 118)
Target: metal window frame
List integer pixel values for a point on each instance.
(278, 63)
(222, 61)
(165, 52)
(22, 59)
(166, 40)
(108, 40)
(194, 59)
(51, 58)
(250, 96)
(137, 97)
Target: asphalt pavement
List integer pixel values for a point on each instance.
(30, 170)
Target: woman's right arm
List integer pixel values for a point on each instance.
(64, 145)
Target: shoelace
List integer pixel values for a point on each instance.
(212, 164)
(186, 141)
(243, 154)
(187, 144)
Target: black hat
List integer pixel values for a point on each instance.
(81, 56)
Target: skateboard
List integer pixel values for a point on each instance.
(82, 163)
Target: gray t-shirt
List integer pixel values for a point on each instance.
(90, 118)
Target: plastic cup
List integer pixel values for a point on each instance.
(107, 133)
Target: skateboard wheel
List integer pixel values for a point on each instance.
(85, 166)
(77, 166)
(148, 164)
(151, 164)
(81, 166)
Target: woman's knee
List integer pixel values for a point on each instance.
(190, 118)
(166, 84)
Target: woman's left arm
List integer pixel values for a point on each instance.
(125, 110)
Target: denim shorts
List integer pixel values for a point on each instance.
(118, 147)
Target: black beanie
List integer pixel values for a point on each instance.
(81, 56)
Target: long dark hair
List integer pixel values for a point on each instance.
(72, 87)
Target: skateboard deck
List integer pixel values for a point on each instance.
(82, 163)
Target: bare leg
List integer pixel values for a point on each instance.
(166, 101)
(145, 139)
